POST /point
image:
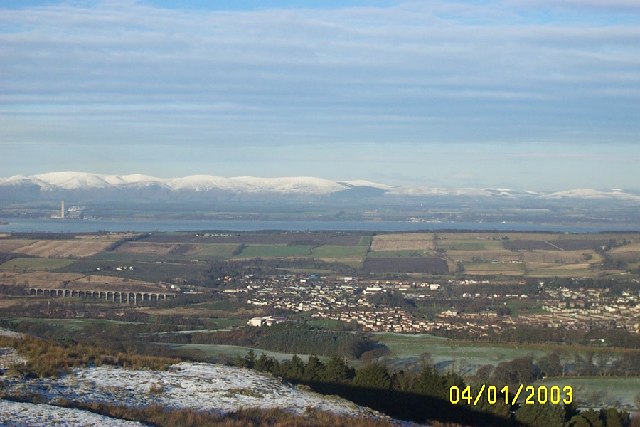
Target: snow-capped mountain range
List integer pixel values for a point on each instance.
(241, 184)
(82, 181)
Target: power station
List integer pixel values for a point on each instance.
(61, 214)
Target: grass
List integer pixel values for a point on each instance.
(494, 268)
(337, 252)
(402, 241)
(396, 254)
(127, 257)
(231, 351)
(47, 359)
(157, 249)
(470, 245)
(37, 264)
(72, 325)
(64, 248)
(601, 391)
(216, 250)
(365, 241)
(149, 271)
(459, 355)
(275, 251)
(560, 270)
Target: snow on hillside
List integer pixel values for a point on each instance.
(432, 191)
(305, 185)
(241, 184)
(365, 183)
(199, 386)
(19, 414)
(587, 193)
(250, 184)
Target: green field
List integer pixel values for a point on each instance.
(38, 264)
(217, 250)
(619, 392)
(275, 251)
(209, 351)
(151, 271)
(72, 325)
(365, 241)
(331, 251)
(467, 356)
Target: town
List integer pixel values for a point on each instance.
(362, 301)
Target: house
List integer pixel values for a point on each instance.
(266, 321)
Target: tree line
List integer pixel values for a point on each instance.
(422, 395)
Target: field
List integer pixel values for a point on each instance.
(145, 270)
(538, 254)
(275, 251)
(560, 270)
(427, 265)
(491, 255)
(395, 254)
(601, 391)
(446, 354)
(222, 351)
(76, 248)
(261, 238)
(468, 241)
(466, 357)
(627, 253)
(10, 245)
(35, 264)
(49, 280)
(403, 242)
(164, 256)
(488, 268)
(147, 248)
(215, 250)
(561, 257)
(73, 325)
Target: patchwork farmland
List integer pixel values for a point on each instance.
(161, 257)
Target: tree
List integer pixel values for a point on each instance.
(542, 415)
(430, 383)
(337, 371)
(588, 418)
(373, 376)
(550, 365)
(614, 418)
(403, 381)
(267, 364)
(518, 371)
(294, 368)
(314, 369)
(484, 372)
(250, 359)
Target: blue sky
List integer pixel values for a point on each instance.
(528, 94)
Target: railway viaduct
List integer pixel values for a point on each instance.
(128, 297)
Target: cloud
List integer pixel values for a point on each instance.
(427, 72)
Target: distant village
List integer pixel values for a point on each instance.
(361, 301)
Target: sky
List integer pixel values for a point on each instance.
(525, 94)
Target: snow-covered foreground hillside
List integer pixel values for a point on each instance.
(18, 414)
(199, 386)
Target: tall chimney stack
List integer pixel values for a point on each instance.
(62, 209)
